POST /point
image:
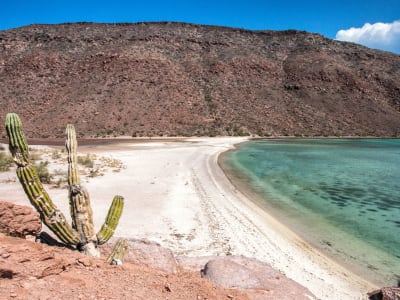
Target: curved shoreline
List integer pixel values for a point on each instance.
(364, 259)
(308, 266)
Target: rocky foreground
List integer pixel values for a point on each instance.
(31, 270)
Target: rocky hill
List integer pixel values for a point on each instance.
(153, 79)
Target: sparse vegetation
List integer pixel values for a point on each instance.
(34, 154)
(59, 178)
(43, 171)
(6, 162)
(86, 161)
(55, 154)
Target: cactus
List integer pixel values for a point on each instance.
(118, 252)
(80, 234)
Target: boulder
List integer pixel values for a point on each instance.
(194, 263)
(19, 221)
(386, 293)
(147, 253)
(258, 279)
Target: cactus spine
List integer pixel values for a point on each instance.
(81, 234)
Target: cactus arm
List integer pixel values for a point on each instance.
(73, 175)
(112, 219)
(81, 211)
(32, 186)
(71, 144)
(49, 213)
(118, 252)
(17, 142)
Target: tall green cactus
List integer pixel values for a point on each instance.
(81, 233)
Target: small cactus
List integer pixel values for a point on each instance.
(118, 252)
(81, 233)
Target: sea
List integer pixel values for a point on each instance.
(342, 196)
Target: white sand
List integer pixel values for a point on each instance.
(176, 194)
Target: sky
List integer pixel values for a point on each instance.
(373, 23)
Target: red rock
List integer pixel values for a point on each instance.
(253, 276)
(386, 293)
(19, 221)
(33, 271)
(147, 253)
(194, 264)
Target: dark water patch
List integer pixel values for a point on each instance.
(392, 200)
(338, 198)
(354, 192)
(332, 190)
(385, 208)
(346, 198)
(365, 202)
(327, 243)
(373, 267)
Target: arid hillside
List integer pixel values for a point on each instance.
(154, 79)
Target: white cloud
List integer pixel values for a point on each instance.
(384, 36)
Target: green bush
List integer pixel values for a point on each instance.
(86, 161)
(6, 161)
(43, 172)
(55, 154)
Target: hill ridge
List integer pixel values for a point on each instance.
(172, 78)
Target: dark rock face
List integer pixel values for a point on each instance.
(182, 79)
(18, 220)
(258, 278)
(386, 293)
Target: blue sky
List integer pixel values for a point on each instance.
(324, 17)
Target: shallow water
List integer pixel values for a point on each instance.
(341, 195)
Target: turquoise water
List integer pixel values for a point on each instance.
(341, 195)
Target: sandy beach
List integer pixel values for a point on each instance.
(176, 194)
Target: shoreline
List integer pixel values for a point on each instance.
(314, 255)
(367, 261)
(176, 194)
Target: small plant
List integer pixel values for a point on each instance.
(55, 155)
(86, 161)
(6, 162)
(35, 155)
(43, 172)
(59, 178)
